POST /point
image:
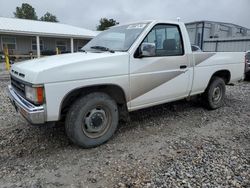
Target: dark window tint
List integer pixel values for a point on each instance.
(167, 39)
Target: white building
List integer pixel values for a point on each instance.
(23, 37)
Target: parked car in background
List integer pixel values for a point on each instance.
(195, 48)
(247, 70)
(125, 68)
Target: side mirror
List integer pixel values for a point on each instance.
(147, 49)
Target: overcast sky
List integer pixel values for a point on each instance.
(86, 13)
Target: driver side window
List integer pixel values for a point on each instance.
(167, 40)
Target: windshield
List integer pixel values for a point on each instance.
(119, 38)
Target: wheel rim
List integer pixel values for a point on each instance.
(96, 122)
(217, 94)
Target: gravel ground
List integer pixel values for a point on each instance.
(174, 145)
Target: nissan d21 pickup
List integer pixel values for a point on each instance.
(125, 68)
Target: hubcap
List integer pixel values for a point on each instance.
(96, 122)
(217, 94)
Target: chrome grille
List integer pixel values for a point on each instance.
(18, 86)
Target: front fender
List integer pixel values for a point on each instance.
(56, 92)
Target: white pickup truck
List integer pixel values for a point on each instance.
(125, 68)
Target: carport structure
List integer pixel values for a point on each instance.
(22, 36)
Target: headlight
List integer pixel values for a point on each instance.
(35, 94)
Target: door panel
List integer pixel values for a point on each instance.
(166, 75)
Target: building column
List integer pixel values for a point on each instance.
(72, 45)
(38, 46)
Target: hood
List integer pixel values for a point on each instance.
(68, 67)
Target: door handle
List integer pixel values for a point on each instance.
(183, 66)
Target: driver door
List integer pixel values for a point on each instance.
(163, 76)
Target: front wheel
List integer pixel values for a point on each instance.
(215, 93)
(92, 120)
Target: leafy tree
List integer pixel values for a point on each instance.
(48, 17)
(106, 23)
(26, 11)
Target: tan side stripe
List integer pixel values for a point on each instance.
(144, 83)
(200, 57)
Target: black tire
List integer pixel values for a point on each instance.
(215, 93)
(89, 114)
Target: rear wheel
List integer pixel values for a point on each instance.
(92, 120)
(215, 93)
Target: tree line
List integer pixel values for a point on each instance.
(26, 11)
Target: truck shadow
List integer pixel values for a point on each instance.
(174, 110)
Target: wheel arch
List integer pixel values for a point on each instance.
(114, 91)
(224, 74)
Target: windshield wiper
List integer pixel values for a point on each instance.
(102, 48)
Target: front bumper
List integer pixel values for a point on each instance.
(33, 114)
